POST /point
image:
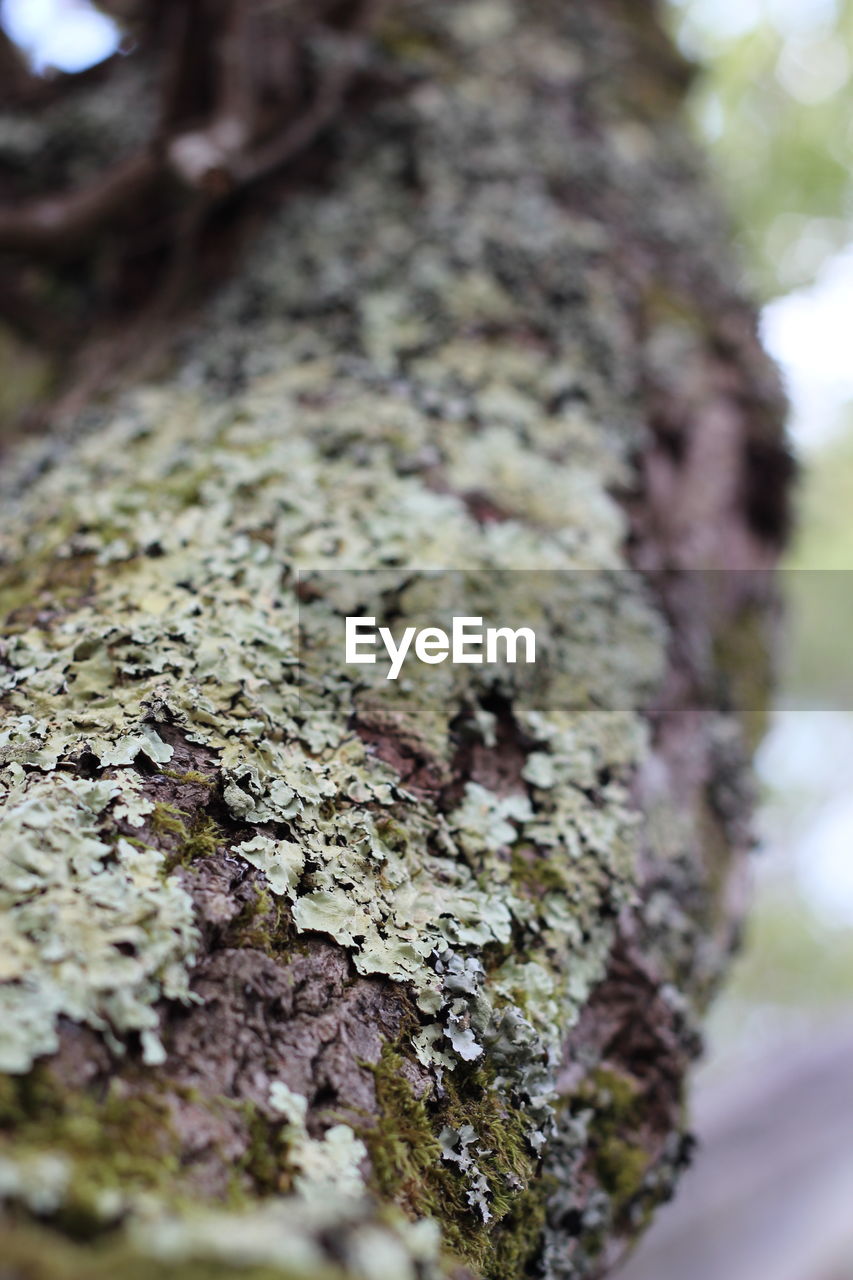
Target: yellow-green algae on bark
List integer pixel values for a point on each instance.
(429, 365)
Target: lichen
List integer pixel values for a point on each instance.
(327, 1165)
(195, 517)
(427, 365)
(90, 929)
(80, 1161)
(465, 1159)
(280, 1240)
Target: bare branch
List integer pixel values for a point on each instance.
(251, 166)
(58, 225)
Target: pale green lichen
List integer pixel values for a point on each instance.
(296, 1236)
(203, 636)
(326, 1166)
(191, 620)
(455, 1149)
(40, 1181)
(281, 861)
(89, 929)
(412, 353)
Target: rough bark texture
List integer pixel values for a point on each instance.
(298, 979)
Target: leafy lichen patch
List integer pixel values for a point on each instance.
(324, 1165)
(90, 930)
(426, 366)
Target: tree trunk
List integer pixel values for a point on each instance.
(301, 977)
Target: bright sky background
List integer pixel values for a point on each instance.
(806, 830)
(66, 34)
(724, 19)
(810, 333)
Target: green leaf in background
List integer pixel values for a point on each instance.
(775, 105)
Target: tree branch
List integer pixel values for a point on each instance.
(58, 225)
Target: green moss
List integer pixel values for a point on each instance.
(190, 776)
(619, 1094)
(191, 839)
(203, 840)
(259, 925)
(28, 1097)
(618, 1158)
(166, 819)
(404, 1150)
(118, 1143)
(534, 874)
(409, 1169)
(621, 1169)
(740, 658)
(264, 1160)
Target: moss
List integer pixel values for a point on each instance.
(204, 838)
(28, 1097)
(264, 1160)
(262, 925)
(115, 1144)
(618, 1092)
(166, 819)
(409, 1169)
(620, 1161)
(189, 838)
(621, 1168)
(534, 874)
(405, 1154)
(190, 776)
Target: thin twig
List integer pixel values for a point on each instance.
(138, 341)
(176, 38)
(57, 225)
(252, 165)
(236, 95)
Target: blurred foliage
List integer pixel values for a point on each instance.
(795, 957)
(774, 102)
(825, 508)
(818, 670)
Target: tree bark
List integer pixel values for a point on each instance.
(298, 978)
